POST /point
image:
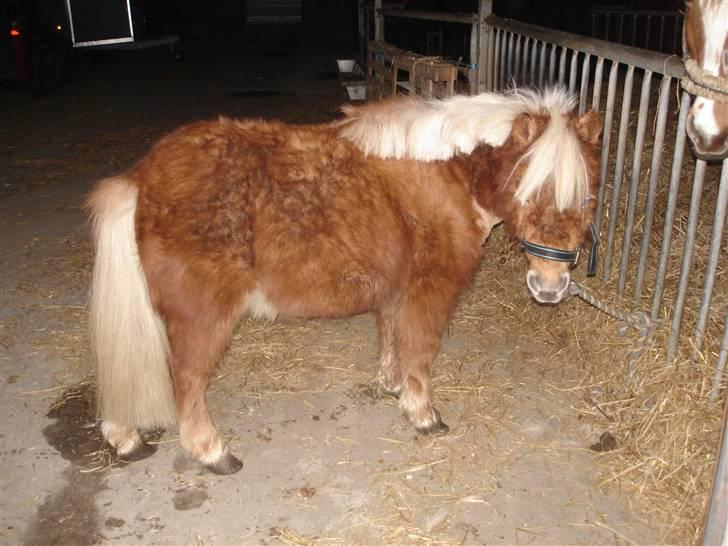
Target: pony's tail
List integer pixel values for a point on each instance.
(128, 337)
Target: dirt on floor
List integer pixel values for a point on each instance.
(327, 460)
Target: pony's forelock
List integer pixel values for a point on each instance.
(430, 129)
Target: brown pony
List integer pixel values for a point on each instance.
(385, 211)
(705, 48)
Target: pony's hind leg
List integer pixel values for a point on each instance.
(389, 376)
(196, 346)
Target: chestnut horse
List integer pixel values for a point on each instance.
(384, 211)
(705, 48)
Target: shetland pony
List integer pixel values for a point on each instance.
(705, 48)
(384, 211)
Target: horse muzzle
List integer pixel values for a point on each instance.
(548, 289)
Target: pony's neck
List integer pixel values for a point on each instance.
(491, 192)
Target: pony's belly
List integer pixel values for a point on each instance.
(302, 296)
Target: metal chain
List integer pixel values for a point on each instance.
(644, 325)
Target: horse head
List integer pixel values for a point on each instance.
(705, 47)
(551, 179)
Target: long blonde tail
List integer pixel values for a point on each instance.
(128, 337)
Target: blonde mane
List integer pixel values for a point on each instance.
(430, 129)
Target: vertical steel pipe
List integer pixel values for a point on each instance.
(562, 65)
(662, 34)
(515, 74)
(534, 59)
(687, 261)
(675, 172)
(585, 66)
(542, 64)
(573, 70)
(657, 146)
(618, 170)
(635, 181)
(597, 91)
(552, 64)
(720, 365)
(712, 265)
(606, 140)
(509, 67)
(496, 59)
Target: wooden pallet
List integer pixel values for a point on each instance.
(392, 71)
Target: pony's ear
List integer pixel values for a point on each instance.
(589, 127)
(525, 129)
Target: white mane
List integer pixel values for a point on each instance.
(431, 129)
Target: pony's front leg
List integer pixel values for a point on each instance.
(195, 350)
(389, 376)
(419, 326)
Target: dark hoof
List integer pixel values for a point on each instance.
(228, 464)
(438, 428)
(142, 452)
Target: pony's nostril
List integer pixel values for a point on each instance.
(564, 281)
(532, 281)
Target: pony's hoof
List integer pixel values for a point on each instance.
(436, 428)
(142, 452)
(228, 464)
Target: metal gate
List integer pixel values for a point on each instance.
(661, 213)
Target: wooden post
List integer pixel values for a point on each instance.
(362, 28)
(378, 21)
(485, 47)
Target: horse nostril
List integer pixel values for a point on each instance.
(532, 282)
(564, 281)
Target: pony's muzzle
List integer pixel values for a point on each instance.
(548, 290)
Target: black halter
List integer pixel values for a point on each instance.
(569, 256)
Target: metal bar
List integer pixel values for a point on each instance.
(675, 41)
(687, 261)
(485, 47)
(608, 117)
(542, 64)
(647, 35)
(635, 182)
(552, 64)
(517, 63)
(618, 170)
(675, 170)
(509, 68)
(606, 28)
(597, 92)
(594, 25)
(466, 19)
(720, 365)
(562, 65)
(474, 52)
(712, 265)
(573, 70)
(378, 21)
(634, 30)
(585, 65)
(524, 60)
(715, 528)
(496, 59)
(658, 63)
(620, 32)
(534, 55)
(662, 33)
(657, 146)
(504, 62)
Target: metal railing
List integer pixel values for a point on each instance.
(654, 30)
(646, 175)
(524, 54)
